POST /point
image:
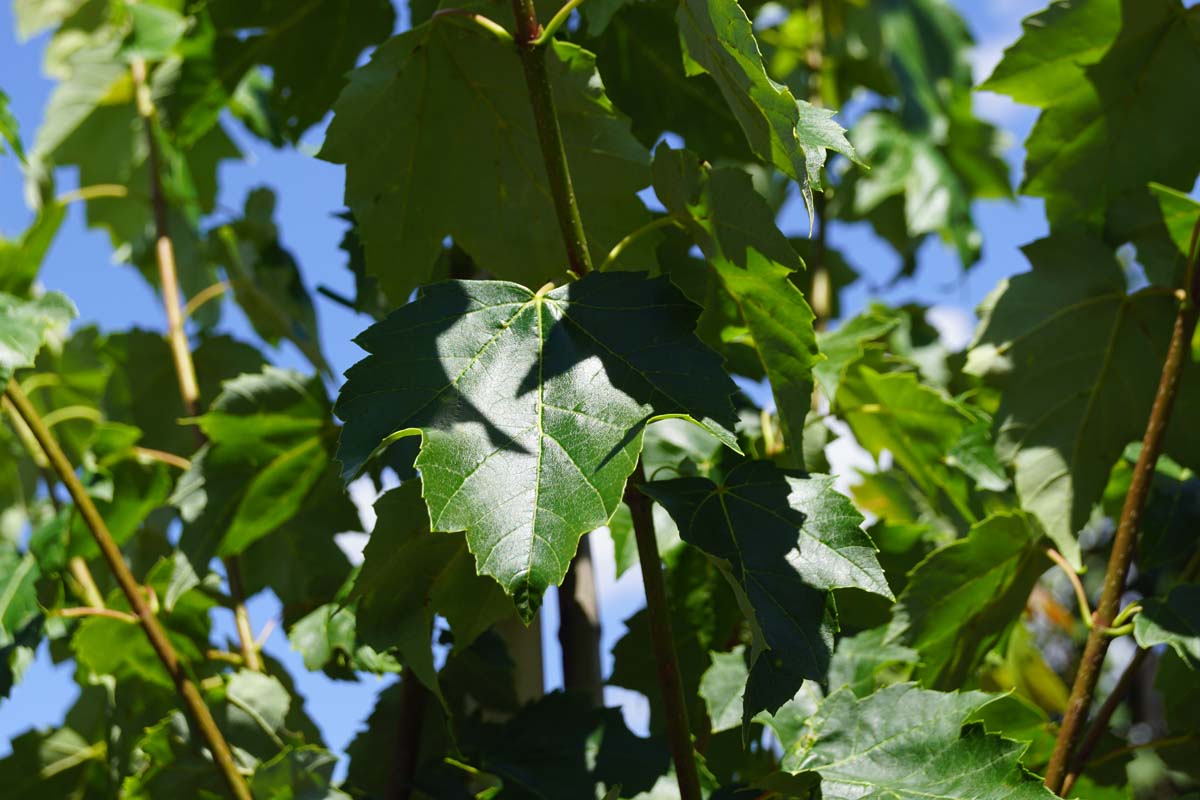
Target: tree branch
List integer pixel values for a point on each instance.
(554, 154)
(185, 368)
(187, 690)
(679, 736)
(1125, 541)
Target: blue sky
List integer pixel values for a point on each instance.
(114, 296)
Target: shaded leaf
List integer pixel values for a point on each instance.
(791, 134)
(752, 260)
(1078, 359)
(413, 170)
(409, 575)
(782, 541)
(1174, 621)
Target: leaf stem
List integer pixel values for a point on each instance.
(621, 246)
(554, 154)
(203, 296)
(556, 22)
(489, 25)
(1125, 541)
(96, 611)
(1081, 598)
(679, 736)
(187, 690)
(185, 368)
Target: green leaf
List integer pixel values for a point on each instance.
(155, 30)
(962, 598)
(849, 343)
(413, 170)
(118, 647)
(1110, 76)
(641, 63)
(782, 541)
(20, 259)
(919, 425)
(722, 686)
(905, 743)
(18, 592)
(1173, 620)
(752, 260)
(266, 278)
(1078, 360)
(1176, 679)
(924, 170)
(308, 47)
(863, 663)
(409, 575)
(1180, 215)
(9, 130)
(300, 561)
(301, 773)
(25, 325)
(57, 763)
(543, 752)
(143, 389)
(791, 134)
(531, 408)
(269, 437)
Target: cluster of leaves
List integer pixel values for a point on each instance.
(921, 655)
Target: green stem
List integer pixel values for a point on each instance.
(554, 154)
(181, 353)
(1081, 599)
(679, 736)
(557, 21)
(623, 245)
(187, 690)
(1125, 541)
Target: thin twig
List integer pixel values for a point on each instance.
(557, 21)
(621, 246)
(1081, 598)
(170, 459)
(203, 296)
(670, 684)
(145, 616)
(185, 368)
(1125, 541)
(489, 25)
(96, 611)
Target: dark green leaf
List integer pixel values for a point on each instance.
(1078, 359)
(414, 170)
(409, 575)
(865, 662)
(791, 134)
(266, 278)
(1110, 75)
(531, 408)
(782, 541)
(308, 47)
(735, 230)
(269, 435)
(1173, 620)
